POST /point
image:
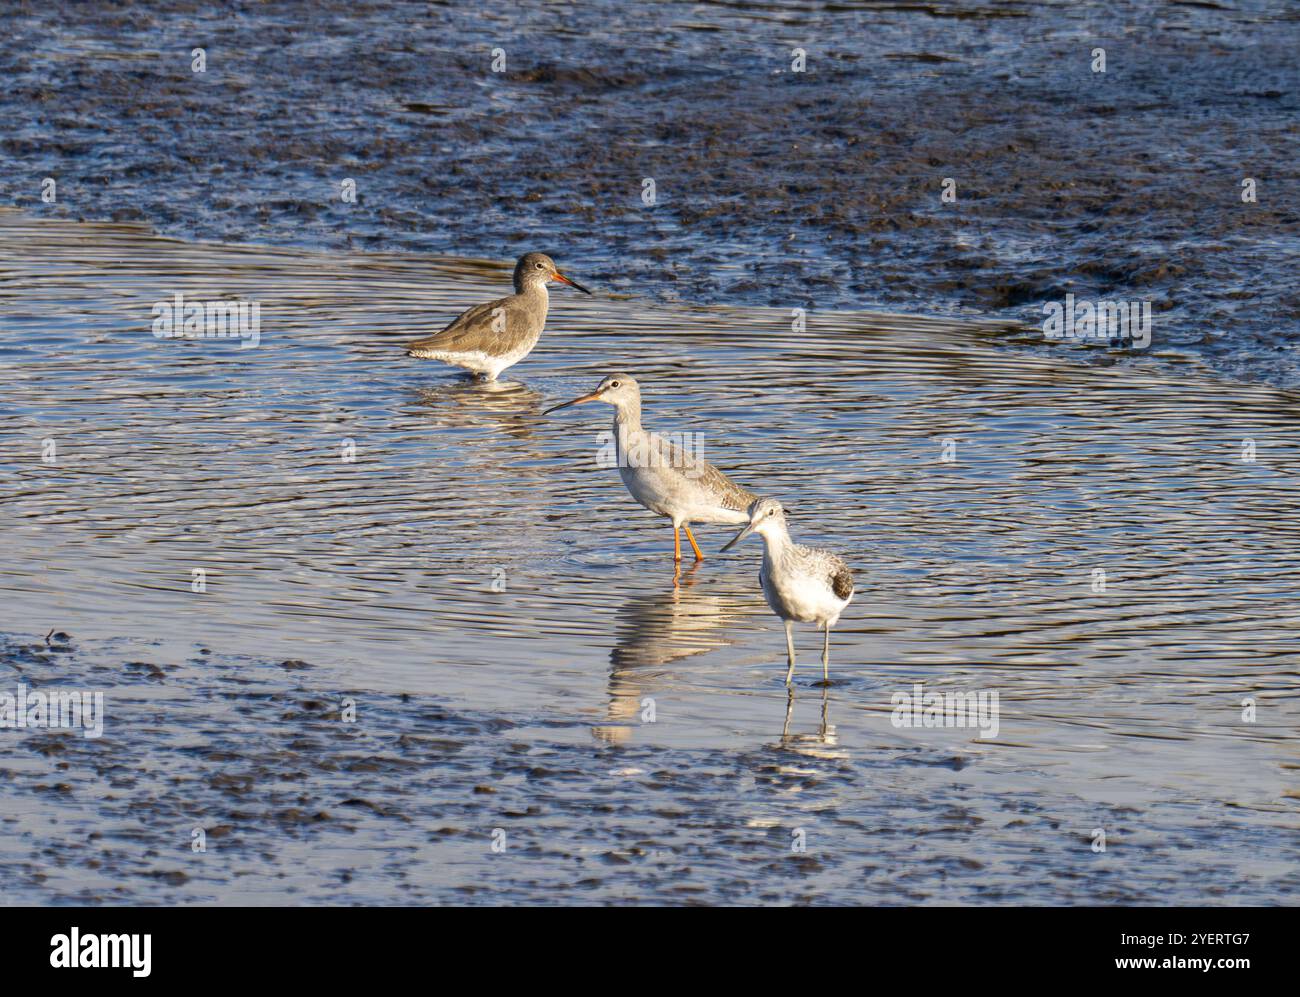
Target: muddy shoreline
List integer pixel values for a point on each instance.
(236, 780)
(818, 189)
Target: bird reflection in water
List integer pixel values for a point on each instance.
(810, 744)
(463, 403)
(656, 629)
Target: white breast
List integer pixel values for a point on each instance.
(796, 595)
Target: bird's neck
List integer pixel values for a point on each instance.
(776, 539)
(532, 289)
(627, 418)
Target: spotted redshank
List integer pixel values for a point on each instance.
(489, 338)
(661, 475)
(799, 583)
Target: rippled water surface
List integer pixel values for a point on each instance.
(502, 615)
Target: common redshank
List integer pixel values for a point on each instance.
(491, 337)
(661, 475)
(799, 583)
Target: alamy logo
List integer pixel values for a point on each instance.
(181, 319)
(58, 709)
(1104, 320)
(920, 709)
(77, 951)
(683, 451)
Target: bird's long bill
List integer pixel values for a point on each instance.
(739, 537)
(571, 283)
(577, 401)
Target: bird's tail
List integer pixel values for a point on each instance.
(424, 349)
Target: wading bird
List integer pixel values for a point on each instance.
(799, 583)
(662, 476)
(491, 337)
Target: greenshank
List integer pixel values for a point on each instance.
(800, 583)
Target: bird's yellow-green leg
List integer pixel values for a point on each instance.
(694, 546)
(789, 647)
(826, 657)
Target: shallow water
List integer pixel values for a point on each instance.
(524, 709)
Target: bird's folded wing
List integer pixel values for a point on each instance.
(472, 330)
(729, 494)
(842, 581)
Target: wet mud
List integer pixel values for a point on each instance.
(411, 801)
(819, 189)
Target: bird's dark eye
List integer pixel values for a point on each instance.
(539, 266)
(613, 384)
(771, 512)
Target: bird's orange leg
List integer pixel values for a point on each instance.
(694, 546)
(677, 544)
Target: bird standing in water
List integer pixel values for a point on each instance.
(491, 337)
(799, 583)
(661, 475)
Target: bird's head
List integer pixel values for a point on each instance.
(536, 269)
(616, 389)
(765, 515)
